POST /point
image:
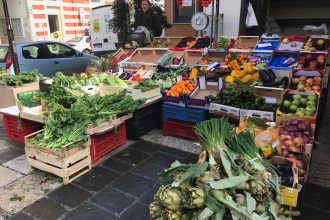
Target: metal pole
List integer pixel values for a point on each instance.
(12, 45)
(212, 21)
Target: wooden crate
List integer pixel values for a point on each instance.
(68, 164)
(8, 93)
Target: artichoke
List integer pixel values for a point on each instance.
(155, 210)
(171, 197)
(240, 199)
(177, 177)
(193, 197)
(259, 190)
(172, 214)
(209, 176)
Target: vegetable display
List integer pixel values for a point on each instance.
(22, 78)
(225, 44)
(309, 84)
(166, 78)
(240, 58)
(268, 79)
(234, 183)
(64, 125)
(311, 61)
(246, 76)
(245, 99)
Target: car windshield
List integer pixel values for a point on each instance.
(3, 52)
(75, 39)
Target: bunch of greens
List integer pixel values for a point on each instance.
(64, 125)
(234, 183)
(166, 79)
(103, 79)
(146, 85)
(21, 78)
(245, 98)
(30, 99)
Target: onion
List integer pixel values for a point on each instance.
(291, 129)
(294, 122)
(299, 164)
(302, 126)
(297, 134)
(288, 143)
(299, 141)
(308, 133)
(285, 153)
(294, 149)
(292, 134)
(283, 131)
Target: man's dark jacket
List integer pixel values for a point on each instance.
(150, 21)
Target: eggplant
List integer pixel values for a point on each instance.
(265, 78)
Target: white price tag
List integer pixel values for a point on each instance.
(271, 100)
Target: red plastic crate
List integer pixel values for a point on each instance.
(179, 128)
(16, 128)
(104, 143)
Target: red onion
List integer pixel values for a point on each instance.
(283, 131)
(297, 134)
(294, 122)
(308, 133)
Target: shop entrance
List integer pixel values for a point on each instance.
(53, 23)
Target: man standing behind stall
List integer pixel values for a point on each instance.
(146, 17)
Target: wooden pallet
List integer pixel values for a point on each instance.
(68, 164)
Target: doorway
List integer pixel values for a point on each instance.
(53, 23)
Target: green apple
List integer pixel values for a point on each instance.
(308, 113)
(293, 108)
(297, 96)
(300, 113)
(303, 101)
(301, 110)
(311, 103)
(296, 102)
(311, 97)
(286, 103)
(310, 108)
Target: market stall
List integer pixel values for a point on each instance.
(266, 94)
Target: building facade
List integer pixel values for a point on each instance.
(48, 19)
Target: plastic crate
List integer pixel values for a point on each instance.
(16, 128)
(184, 114)
(144, 120)
(104, 143)
(179, 128)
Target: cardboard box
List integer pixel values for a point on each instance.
(282, 71)
(299, 40)
(314, 39)
(108, 90)
(213, 56)
(225, 111)
(138, 94)
(9, 93)
(245, 43)
(266, 46)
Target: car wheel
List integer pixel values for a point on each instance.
(87, 51)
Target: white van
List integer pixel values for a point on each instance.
(103, 39)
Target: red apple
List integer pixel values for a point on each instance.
(316, 83)
(295, 80)
(313, 65)
(293, 44)
(302, 78)
(308, 88)
(316, 88)
(309, 57)
(317, 79)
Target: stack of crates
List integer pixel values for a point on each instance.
(180, 121)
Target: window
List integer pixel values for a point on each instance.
(17, 27)
(98, 1)
(60, 51)
(88, 40)
(33, 52)
(184, 14)
(3, 53)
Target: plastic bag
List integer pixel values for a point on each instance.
(251, 19)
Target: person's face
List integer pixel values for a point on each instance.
(145, 6)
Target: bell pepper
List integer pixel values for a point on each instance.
(229, 79)
(193, 73)
(234, 65)
(248, 68)
(247, 79)
(256, 75)
(237, 73)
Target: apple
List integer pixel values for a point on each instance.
(285, 41)
(310, 109)
(303, 82)
(300, 87)
(308, 88)
(302, 78)
(313, 65)
(297, 96)
(317, 83)
(293, 108)
(316, 88)
(293, 44)
(311, 103)
(301, 62)
(303, 101)
(311, 97)
(295, 80)
(317, 79)
(309, 81)
(286, 103)
(309, 113)
(320, 42)
(296, 102)
(300, 113)
(309, 57)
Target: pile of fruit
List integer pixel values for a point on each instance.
(300, 105)
(312, 61)
(181, 88)
(287, 41)
(246, 76)
(241, 58)
(316, 44)
(309, 84)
